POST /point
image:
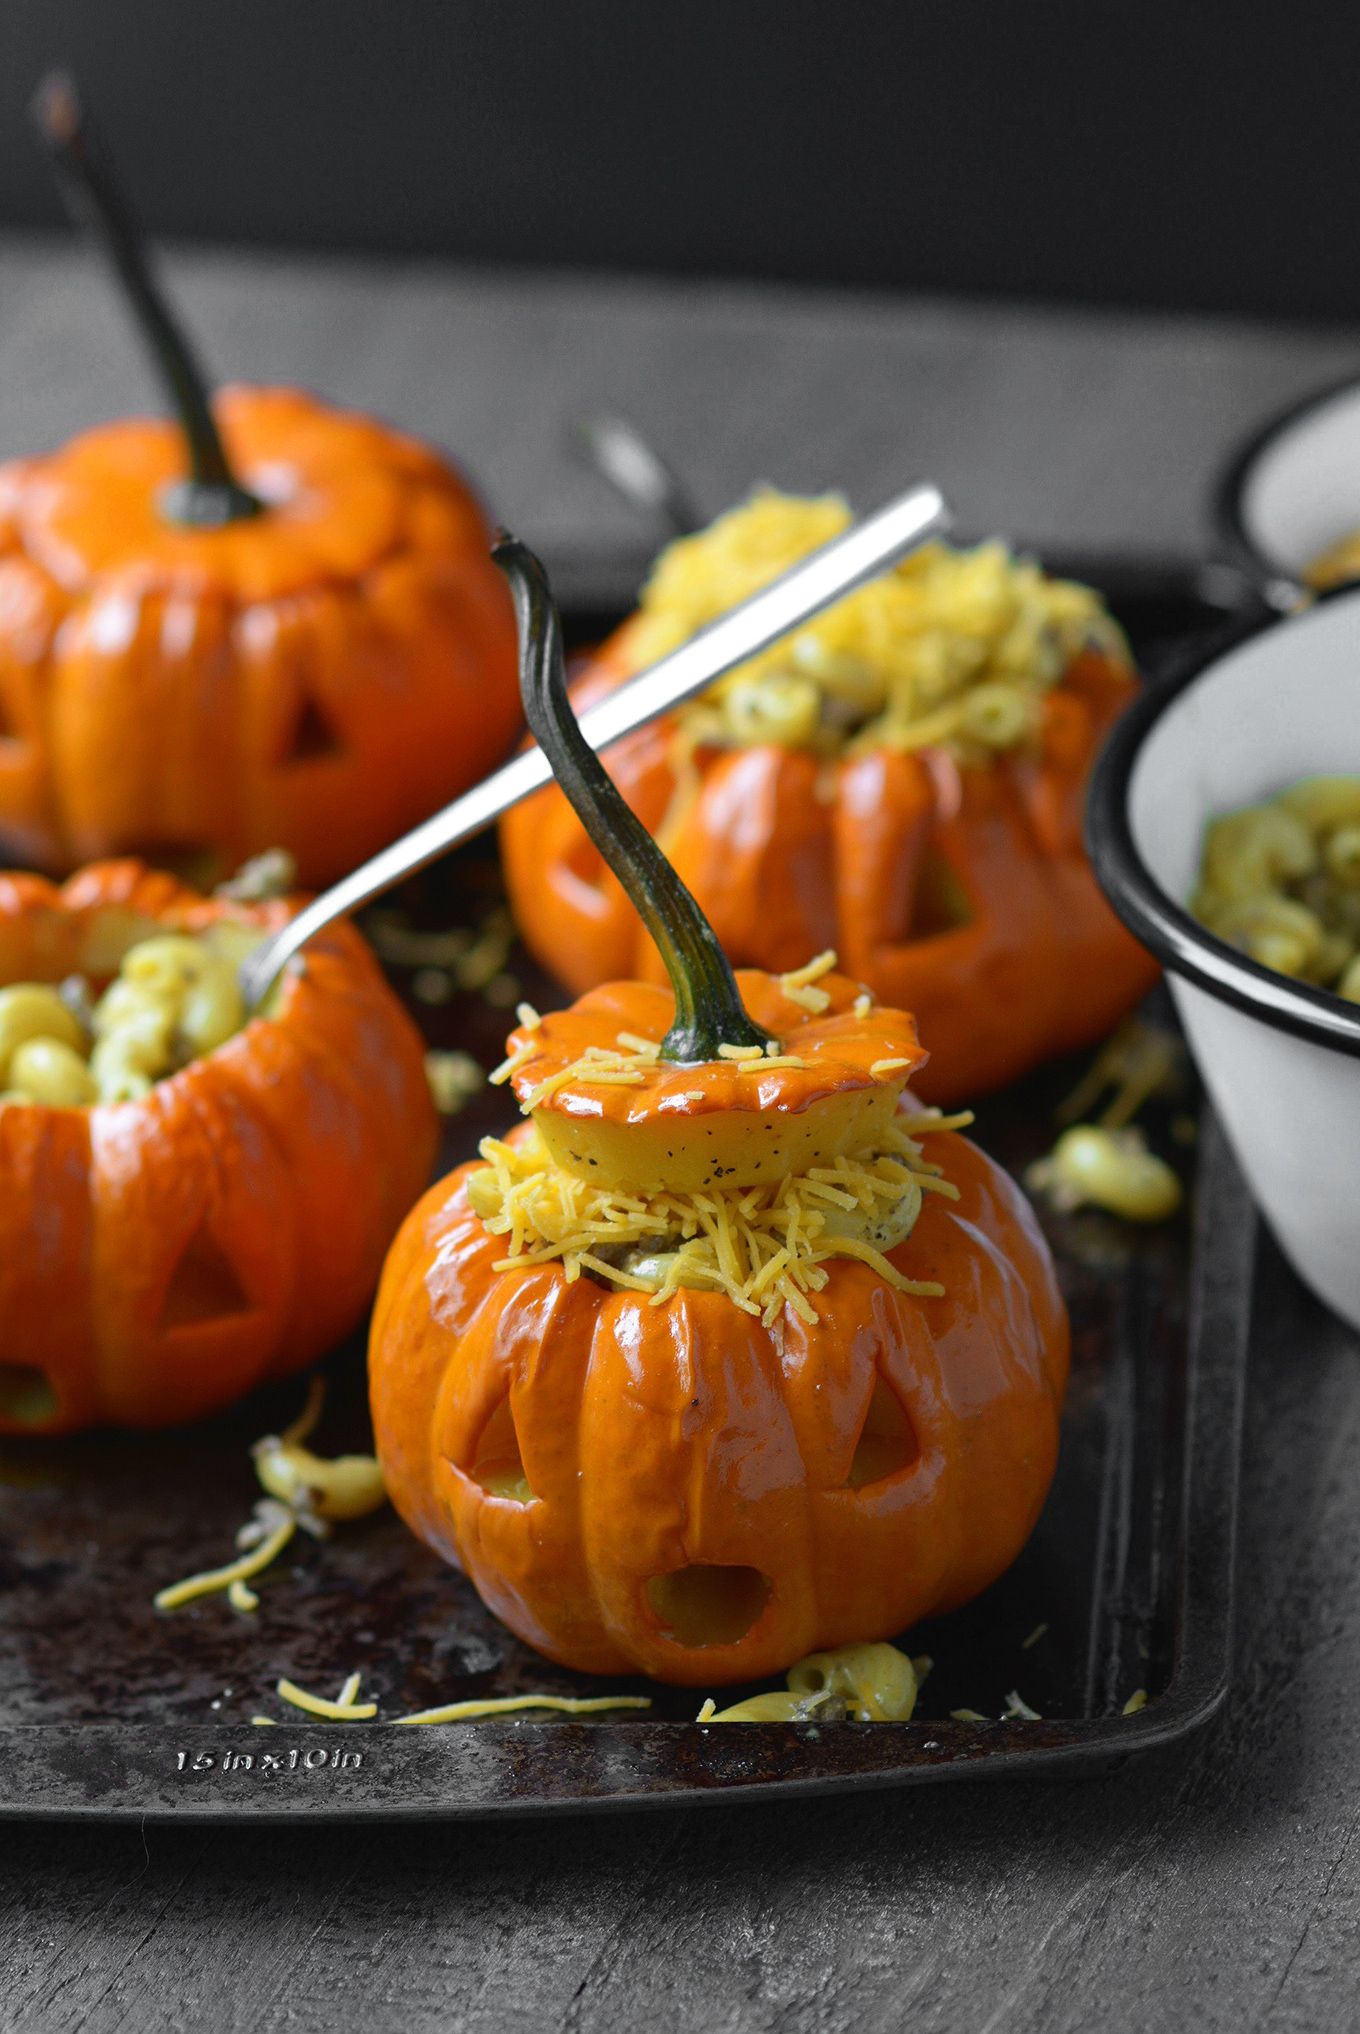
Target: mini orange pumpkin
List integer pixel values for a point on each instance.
(159, 1258)
(705, 1484)
(317, 677)
(289, 634)
(957, 890)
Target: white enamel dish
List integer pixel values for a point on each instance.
(1281, 1059)
(1294, 490)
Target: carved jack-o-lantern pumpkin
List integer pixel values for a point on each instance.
(730, 1354)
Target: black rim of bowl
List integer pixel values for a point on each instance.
(1231, 487)
(1165, 927)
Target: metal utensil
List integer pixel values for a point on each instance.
(637, 472)
(825, 576)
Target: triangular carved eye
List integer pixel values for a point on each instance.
(498, 1464)
(204, 1286)
(887, 1440)
(940, 903)
(313, 736)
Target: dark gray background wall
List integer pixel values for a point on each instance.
(1158, 152)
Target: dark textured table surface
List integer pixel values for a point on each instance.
(1215, 1886)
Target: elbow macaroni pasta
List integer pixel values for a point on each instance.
(953, 647)
(1281, 881)
(175, 998)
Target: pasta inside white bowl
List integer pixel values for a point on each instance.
(1280, 1058)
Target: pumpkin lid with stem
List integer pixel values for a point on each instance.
(261, 492)
(730, 1079)
(211, 495)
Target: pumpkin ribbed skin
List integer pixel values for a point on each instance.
(660, 1438)
(160, 1258)
(317, 677)
(787, 855)
(687, 1435)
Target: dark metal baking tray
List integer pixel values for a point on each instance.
(109, 1709)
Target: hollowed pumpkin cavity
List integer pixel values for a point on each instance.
(498, 1464)
(313, 736)
(204, 1286)
(26, 1395)
(708, 1606)
(887, 1440)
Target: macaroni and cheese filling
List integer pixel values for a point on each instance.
(952, 647)
(175, 998)
(1281, 881)
(765, 1246)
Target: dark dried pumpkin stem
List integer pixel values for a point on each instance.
(708, 1005)
(211, 495)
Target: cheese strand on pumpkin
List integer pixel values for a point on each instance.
(764, 1246)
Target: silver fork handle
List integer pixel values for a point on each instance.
(849, 561)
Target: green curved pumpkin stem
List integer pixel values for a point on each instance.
(708, 1005)
(211, 495)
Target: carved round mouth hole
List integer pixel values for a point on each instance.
(26, 1395)
(887, 1440)
(708, 1606)
(498, 1464)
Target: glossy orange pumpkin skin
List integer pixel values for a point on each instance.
(788, 855)
(656, 1439)
(318, 677)
(160, 1258)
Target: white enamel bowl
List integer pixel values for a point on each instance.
(1281, 1060)
(1294, 490)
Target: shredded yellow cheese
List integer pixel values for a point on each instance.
(798, 985)
(528, 1016)
(1018, 1710)
(305, 1490)
(954, 647)
(502, 1705)
(597, 1067)
(765, 1246)
(281, 1525)
(513, 1064)
(933, 1119)
(345, 1709)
